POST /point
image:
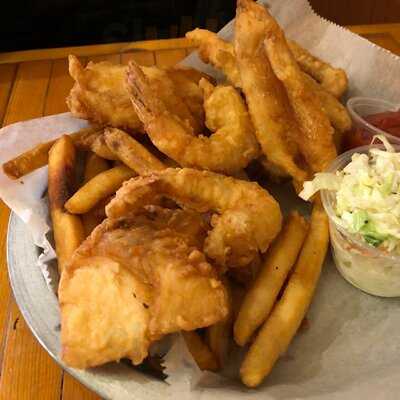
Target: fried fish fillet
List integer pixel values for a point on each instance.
(99, 94)
(317, 143)
(269, 108)
(134, 280)
(219, 53)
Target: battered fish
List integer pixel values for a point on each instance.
(99, 94)
(317, 142)
(269, 108)
(134, 280)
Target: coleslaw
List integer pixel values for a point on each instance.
(367, 192)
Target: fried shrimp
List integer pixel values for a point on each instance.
(246, 217)
(334, 80)
(217, 52)
(220, 54)
(269, 107)
(317, 143)
(229, 149)
(188, 88)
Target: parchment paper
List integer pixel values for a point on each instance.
(351, 349)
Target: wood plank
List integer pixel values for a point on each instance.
(29, 92)
(26, 369)
(141, 57)
(7, 75)
(92, 50)
(113, 58)
(393, 29)
(168, 58)
(384, 40)
(74, 390)
(59, 87)
(152, 45)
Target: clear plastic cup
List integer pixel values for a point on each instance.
(372, 270)
(360, 107)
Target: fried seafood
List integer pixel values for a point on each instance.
(269, 108)
(246, 217)
(229, 149)
(132, 281)
(131, 152)
(99, 94)
(334, 109)
(187, 86)
(317, 144)
(219, 53)
(334, 80)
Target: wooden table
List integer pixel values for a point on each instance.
(33, 84)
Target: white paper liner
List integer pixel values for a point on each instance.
(352, 347)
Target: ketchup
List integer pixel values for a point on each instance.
(388, 121)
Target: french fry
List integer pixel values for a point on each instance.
(204, 357)
(131, 152)
(67, 228)
(219, 335)
(94, 166)
(285, 319)
(38, 156)
(99, 146)
(260, 298)
(98, 188)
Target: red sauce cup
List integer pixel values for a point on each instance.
(372, 117)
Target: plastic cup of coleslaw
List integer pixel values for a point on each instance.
(371, 269)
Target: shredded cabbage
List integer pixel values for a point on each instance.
(367, 195)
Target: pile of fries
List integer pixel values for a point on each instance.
(269, 297)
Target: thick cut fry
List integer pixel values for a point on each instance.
(317, 144)
(217, 52)
(132, 153)
(219, 335)
(38, 156)
(101, 186)
(285, 319)
(261, 297)
(200, 352)
(275, 127)
(229, 149)
(67, 228)
(94, 166)
(334, 80)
